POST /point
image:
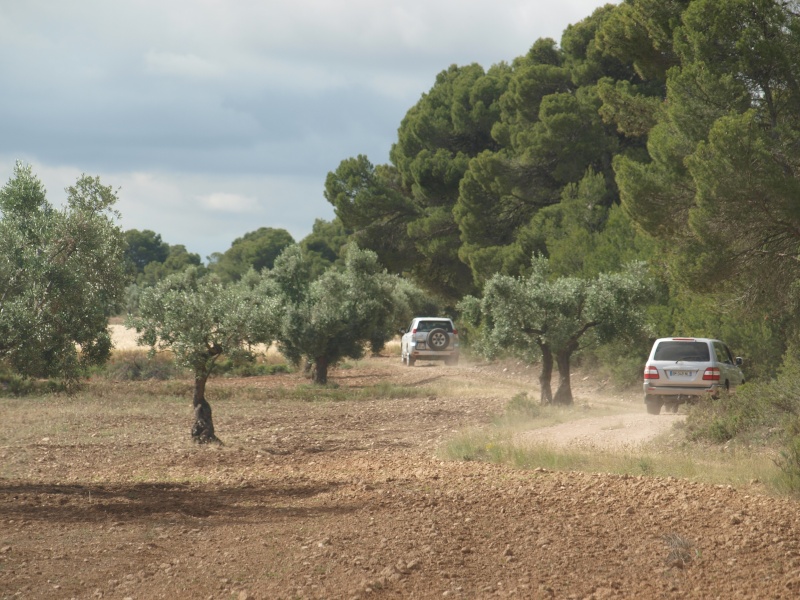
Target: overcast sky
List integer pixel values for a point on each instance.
(217, 117)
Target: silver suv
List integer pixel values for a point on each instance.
(430, 338)
(683, 369)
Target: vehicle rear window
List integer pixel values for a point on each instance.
(431, 325)
(696, 351)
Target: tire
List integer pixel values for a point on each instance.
(410, 360)
(438, 340)
(653, 405)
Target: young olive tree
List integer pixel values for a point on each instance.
(61, 275)
(334, 316)
(199, 319)
(550, 319)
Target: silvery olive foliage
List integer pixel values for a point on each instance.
(334, 316)
(199, 318)
(62, 274)
(550, 318)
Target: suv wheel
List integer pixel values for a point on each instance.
(438, 339)
(653, 404)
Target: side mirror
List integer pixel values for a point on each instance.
(738, 361)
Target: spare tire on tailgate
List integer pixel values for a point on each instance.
(438, 339)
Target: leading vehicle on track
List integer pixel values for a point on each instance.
(430, 338)
(684, 369)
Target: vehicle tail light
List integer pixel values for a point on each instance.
(651, 373)
(711, 374)
(413, 331)
(455, 331)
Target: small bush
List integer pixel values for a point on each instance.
(722, 419)
(246, 364)
(766, 406)
(14, 385)
(523, 406)
(137, 365)
(789, 458)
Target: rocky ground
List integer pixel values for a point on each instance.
(351, 499)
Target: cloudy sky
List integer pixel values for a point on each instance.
(217, 117)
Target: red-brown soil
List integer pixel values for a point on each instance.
(348, 499)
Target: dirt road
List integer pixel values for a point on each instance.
(624, 432)
(349, 499)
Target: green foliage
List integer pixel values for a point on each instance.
(619, 361)
(541, 316)
(758, 411)
(248, 364)
(12, 384)
(641, 33)
(720, 420)
(144, 247)
(324, 245)
(332, 317)
(178, 260)
(371, 202)
(199, 318)
(587, 57)
(720, 185)
(149, 259)
(403, 212)
(63, 274)
(485, 152)
(254, 250)
(521, 406)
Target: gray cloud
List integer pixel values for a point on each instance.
(216, 118)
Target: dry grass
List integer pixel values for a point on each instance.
(668, 455)
(680, 551)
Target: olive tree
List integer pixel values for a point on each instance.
(200, 318)
(335, 315)
(61, 274)
(539, 317)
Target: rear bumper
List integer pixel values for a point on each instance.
(434, 354)
(681, 392)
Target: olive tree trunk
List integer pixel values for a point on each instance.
(203, 428)
(320, 371)
(564, 392)
(546, 375)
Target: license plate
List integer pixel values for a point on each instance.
(680, 373)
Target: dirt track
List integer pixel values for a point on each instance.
(348, 500)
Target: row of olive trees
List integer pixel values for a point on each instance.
(320, 319)
(64, 273)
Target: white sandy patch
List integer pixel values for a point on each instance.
(124, 338)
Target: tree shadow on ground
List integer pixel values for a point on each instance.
(255, 502)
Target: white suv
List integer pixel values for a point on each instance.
(683, 369)
(430, 338)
